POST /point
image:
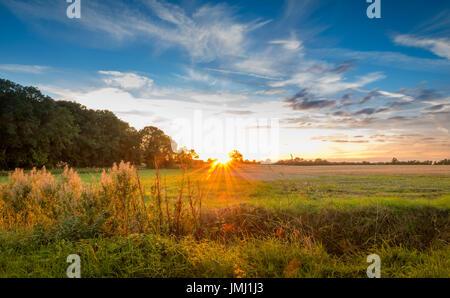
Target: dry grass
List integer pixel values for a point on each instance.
(115, 205)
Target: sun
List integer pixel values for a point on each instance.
(222, 160)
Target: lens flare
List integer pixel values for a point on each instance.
(223, 160)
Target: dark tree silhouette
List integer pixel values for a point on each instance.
(156, 147)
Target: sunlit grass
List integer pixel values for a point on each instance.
(160, 256)
(223, 188)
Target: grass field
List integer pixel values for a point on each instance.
(250, 221)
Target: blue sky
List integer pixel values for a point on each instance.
(341, 85)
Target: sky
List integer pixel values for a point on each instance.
(307, 78)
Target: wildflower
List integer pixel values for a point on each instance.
(227, 227)
(239, 273)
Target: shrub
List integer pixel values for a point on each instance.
(120, 198)
(65, 208)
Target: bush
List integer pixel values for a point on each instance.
(66, 208)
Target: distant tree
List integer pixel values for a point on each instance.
(236, 156)
(268, 161)
(443, 162)
(156, 147)
(186, 157)
(302, 162)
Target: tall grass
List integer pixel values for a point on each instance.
(36, 198)
(66, 208)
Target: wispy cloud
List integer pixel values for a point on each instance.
(327, 82)
(395, 95)
(341, 138)
(34, 69)
(385, 59)
(237, 112)
(438, 46)
(211, 31)
(193, 75)
(289, 44)
(127, 81)
(302, 100)
(370, 111)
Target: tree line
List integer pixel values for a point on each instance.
(36, 130)
(297, 161)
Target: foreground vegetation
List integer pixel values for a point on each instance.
(165, 256)
(125, 223)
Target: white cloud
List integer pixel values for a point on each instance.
(292, 44)
(209, 33)
(438, 46)
(138, 111)
(326, 83)
(127, 81)
(35, 69)
(395, 95)
(385, 59)
(243, 72)
(217, 97)
(270, 92)
(258, 65)
(193, 75)
(272, 62)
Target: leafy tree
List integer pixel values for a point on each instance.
(33, 128)
(236, 156)
(156, 147)
(102, 139)
(185, 157)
